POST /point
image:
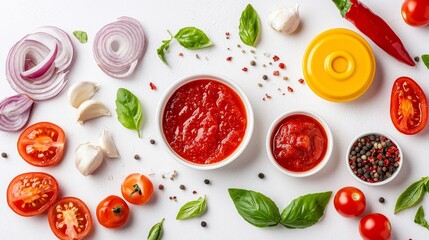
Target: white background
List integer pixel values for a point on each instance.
(369, 112)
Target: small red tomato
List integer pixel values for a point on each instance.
(350, 202)
(137, 188)
(415, 12)
(375, 226)
(112, 212)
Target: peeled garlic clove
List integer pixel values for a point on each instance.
(80, 92)
(91, 109)
(88, 158)
(284, 19)
(108, 145)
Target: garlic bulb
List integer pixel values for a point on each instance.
(91, 109)
(80, 92)
(108, 145)
(284, 19)
(88, 158)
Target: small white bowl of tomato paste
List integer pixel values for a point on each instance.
(206, 121)
(299, 143)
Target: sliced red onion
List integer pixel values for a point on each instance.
(15, 112)
(37, 65)
(118, 47)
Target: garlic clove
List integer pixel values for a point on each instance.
(88, 158)
(91, 109)
(80, 92)
(284, 19)
(108, 145)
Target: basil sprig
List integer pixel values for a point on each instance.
(192, 209)
(189, 37)
(155, 232)
(261, 211)
(420, 218)
(250, 26)
(81, 36)
(129, 110)
(412, 195)
(425, 59)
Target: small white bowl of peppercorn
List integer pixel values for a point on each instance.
(374, 158)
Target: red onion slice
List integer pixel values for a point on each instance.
(37, 65)
(15, 112)
(119, 46)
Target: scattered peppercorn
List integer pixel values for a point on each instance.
(174, 197)
(261, 175)
(416, 58)
(171, 198)
(276, 73)
(227, 33)
(152, 86)
(137, 157)
(263, 65)
(161, 187)
(4, 155)
(245, 69)
(182, 187)
(180, 54)
(282, 65)
(301, 80)
(289, 89)
(252, 63)
(265, 77)
(285, 78)
(259, 84)
(163, 176)
(268, 96)
(252, 51)
(229, 59)
(276, 58)
(381, 199)
(152, 141)
(243, 51)
(270, 63)
(238, 45)
(206, 181)
(194, 192)
(203, 224)
(197, 56)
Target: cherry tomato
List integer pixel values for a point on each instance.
(32, 193)
(415, 12)
(408, 106)
(42, 144)
(137, 188)
(69, 218)
(375, 226)
(112, 212)
(350, 202)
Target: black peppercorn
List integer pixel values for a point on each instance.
(265, 77)
(161, 187)
(261, 175)
(203, 224)
(182, 187)
(136, 157)
(152, 141)
(4, 155)
(381, 199)
(206, 181)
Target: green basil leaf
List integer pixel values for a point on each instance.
(420, 218)
(164, 47)
(412, 195)
(250, 26)
(155, 232)
(81, 36)
(255, 208)
(129, 110)
(343, 6)
(425, 58)
(305, 211)
(192, 209)
(193, 38)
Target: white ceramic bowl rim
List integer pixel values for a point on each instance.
(222, 79)
(328, 153)
(401, 161)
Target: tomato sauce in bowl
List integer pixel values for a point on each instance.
(205, 121)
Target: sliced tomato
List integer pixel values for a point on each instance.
(32, 193)
(69, 218)
(137, 188)
(408, 106)
(112, 212)
(42, 144)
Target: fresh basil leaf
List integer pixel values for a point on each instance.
(155, 232)
(420, 218)
(81, 36)
(192, 209)
(412, 195)
(250, 26)
(164, 47)
(305, 211)
(129, 110)
(255, 208)
(193, 38)
(425, 59)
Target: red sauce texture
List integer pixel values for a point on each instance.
(204, 121)
(299, 143)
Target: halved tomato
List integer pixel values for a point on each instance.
(69, 218)
(42, 144)
(32, 193)
(408, 106)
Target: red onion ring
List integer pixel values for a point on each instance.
(38, 64)
(15, 112)
(119, 46)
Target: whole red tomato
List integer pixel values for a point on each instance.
(416, 12)
(350, 202)
(112, 212)
(375, 226)
(137, 188)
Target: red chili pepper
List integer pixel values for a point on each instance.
(375, 28)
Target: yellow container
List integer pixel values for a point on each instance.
(339, 65)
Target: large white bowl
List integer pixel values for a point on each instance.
(325, 159)
(249, 114)
(401, 161)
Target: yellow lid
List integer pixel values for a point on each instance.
(339, 65)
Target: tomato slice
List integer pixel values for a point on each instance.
(408, 106)
(137, 188)
(42, 144)
(112, 212)
(69, 218)
(29, 194)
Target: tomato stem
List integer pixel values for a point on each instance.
(136, 189)
(117, 210)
